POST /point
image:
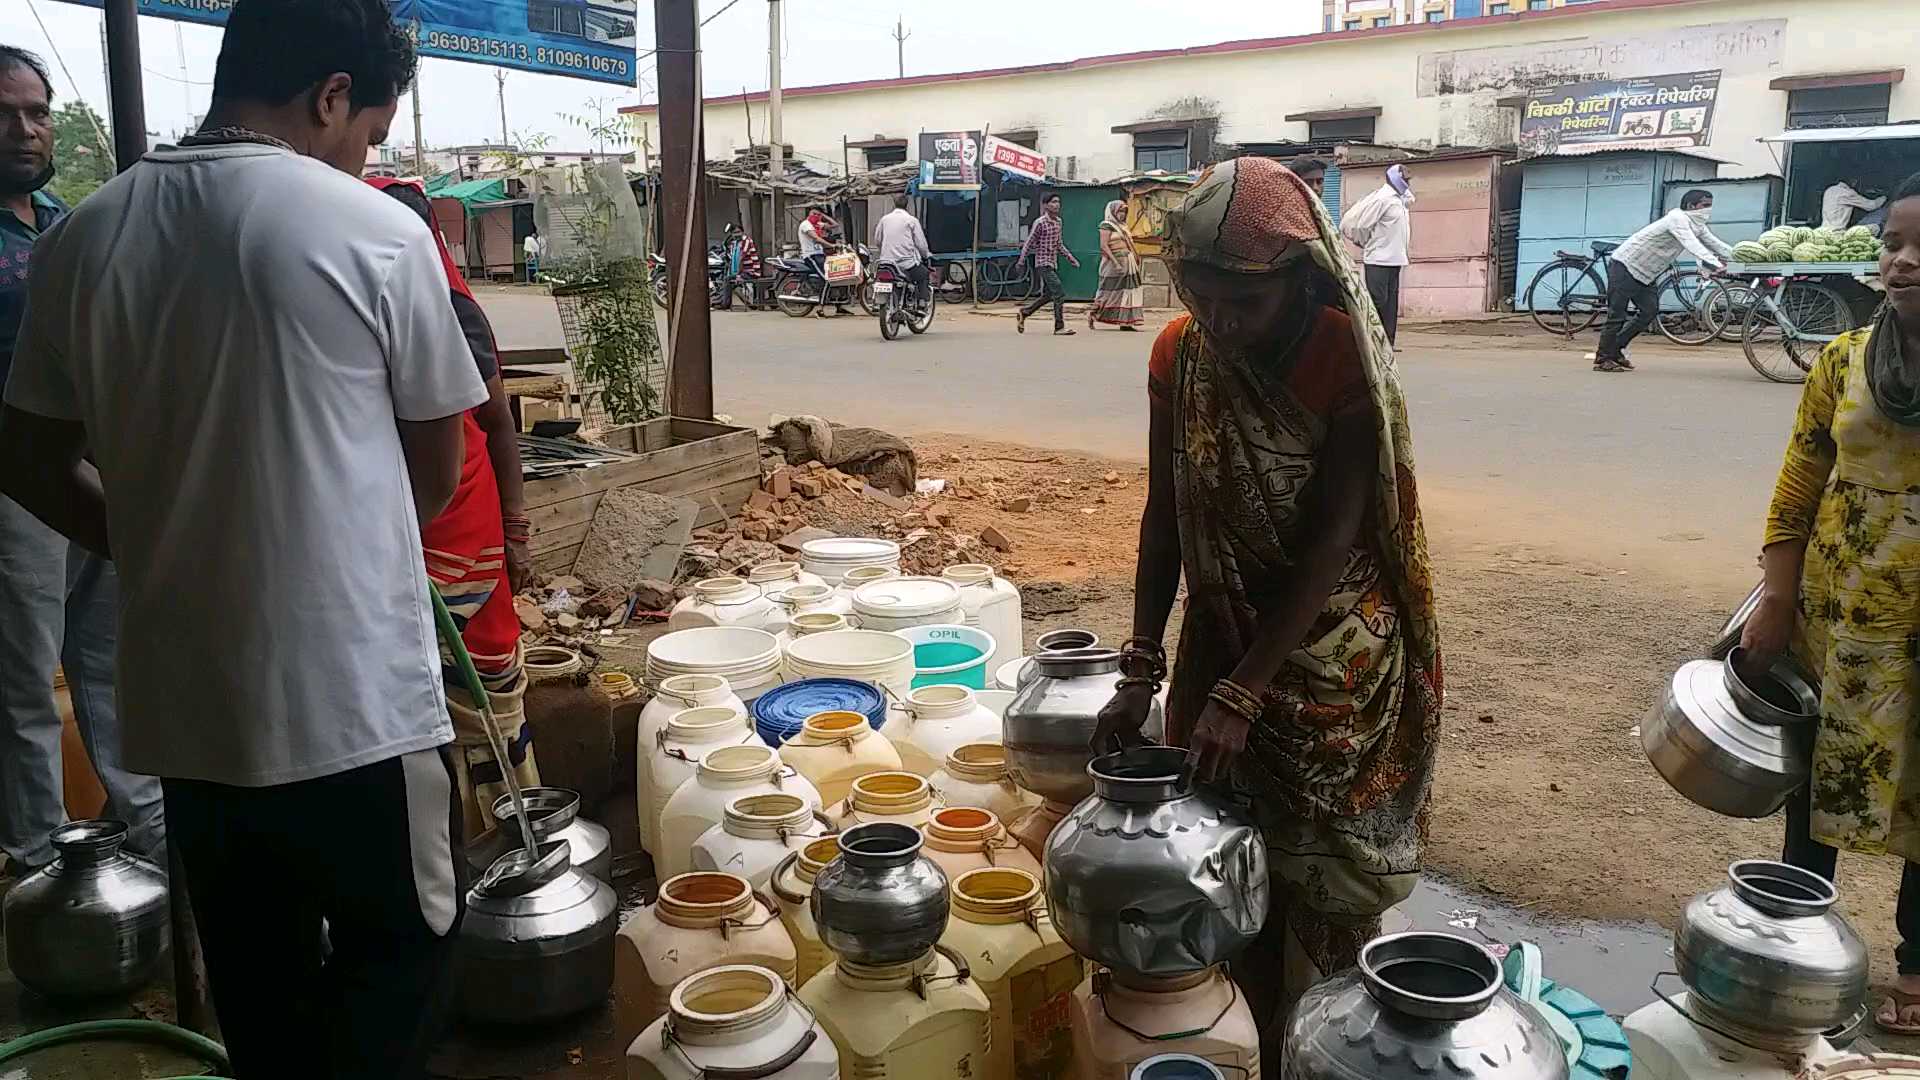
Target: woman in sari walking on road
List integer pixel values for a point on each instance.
(1120, 300)
(1280, 479)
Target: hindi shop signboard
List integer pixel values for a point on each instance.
(950, 160)
(1657, 112)
(1016, 159)
(585, 39)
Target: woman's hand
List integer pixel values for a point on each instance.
(1769, 630)
(1121, 719)
(519, 565)
(1217, 739)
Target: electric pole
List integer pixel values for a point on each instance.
(776, 146)
(419, 141)
(900, 37)
(500, 77)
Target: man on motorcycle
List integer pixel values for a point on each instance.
(816, 231)
(899, 239)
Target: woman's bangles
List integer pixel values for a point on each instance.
(518, 528)
(1236, 699)
(1143, 661)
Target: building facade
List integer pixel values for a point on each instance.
(1349, 15)
(1460, 81)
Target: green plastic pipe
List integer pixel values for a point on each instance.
(148, 1031)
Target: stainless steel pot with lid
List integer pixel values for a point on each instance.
(1767, 952)
(1048, 727)
(881, 901)
(1419, 1005)
(554, 814)
(1734, 748)
(1152, 876)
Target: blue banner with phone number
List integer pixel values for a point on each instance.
(585, 39)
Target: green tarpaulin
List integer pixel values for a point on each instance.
(474, 191)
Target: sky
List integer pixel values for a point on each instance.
(826, 41)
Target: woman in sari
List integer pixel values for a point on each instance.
(477, 557)
(1842, 560)
(1281, 483)
(1120, 300)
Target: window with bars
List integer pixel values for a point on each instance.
(1160, 150)
(1436, 16)
(1497, 9)
(1351, 129)
(1539, 5)
(1838, 106)
(878, 156)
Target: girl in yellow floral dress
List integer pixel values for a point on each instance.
(1842, 591)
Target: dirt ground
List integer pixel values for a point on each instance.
(1543, 797)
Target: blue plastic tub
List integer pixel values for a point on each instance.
(779, 713)
(949, 655)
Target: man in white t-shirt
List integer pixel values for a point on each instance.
(258, 353)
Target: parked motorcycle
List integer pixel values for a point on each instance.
(716, 277)
(899, 306)
(800, 290)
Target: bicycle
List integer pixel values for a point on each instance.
(1786, 328)
(1569, 295)
(1006, 278)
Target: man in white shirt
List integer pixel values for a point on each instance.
(533, 246)
(1838, 203)
(259, 353)
(1634, 269)
(899, 239)
(1382, 226)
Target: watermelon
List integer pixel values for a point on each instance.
(1747, 251)
(1807, 251)
(1861, 232)
(1774, 237)
(1801, 234)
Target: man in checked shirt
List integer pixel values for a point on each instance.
(1045, 246)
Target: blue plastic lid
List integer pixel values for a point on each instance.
(779, 713)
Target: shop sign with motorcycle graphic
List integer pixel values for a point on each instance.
(1655, 112)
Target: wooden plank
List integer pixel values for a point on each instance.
(728, 481)
(557, 561)
(687, 429)
(554, 552)
(649, 471)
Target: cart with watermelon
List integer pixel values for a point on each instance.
(1793, 290)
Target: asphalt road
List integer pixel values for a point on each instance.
(1518, 441)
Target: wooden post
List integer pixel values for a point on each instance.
(979, 196)
(683, 179)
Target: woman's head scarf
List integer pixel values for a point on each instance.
(1397, 179)
(1117, 212)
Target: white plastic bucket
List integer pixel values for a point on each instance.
(874, 656)
(899, 603)
(831, 557)
(748, 659)
(950, 655)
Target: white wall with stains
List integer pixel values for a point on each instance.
(1436, 84)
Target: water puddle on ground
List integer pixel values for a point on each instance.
(1612, 963)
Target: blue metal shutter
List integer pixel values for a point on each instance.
(1330, 192)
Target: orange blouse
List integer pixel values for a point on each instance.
(1328, 380)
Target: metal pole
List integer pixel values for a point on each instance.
(128, 107)
(420, 140)
(500, 77)
(676, 28)
(776, 140)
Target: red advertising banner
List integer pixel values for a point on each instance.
(1016, 159)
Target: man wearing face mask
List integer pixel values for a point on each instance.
(1635, 267)
(259, 353)
(58, 597)
(1381, 224)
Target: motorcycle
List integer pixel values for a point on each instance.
(800, 290)
(716, 277)
(899, 306)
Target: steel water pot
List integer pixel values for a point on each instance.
(1767, 952)
(1048, 728)
(554, 813)
(1152, 876)
(1419, 1006)
(881, 901)
(538, 948)
(1733, 748)
(92, 922)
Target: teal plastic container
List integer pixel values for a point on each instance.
(949, 655)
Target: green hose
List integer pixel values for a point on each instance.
(178, 1038)
(450, 636)
(149, 1031)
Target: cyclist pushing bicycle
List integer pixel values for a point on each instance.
(1634, 269)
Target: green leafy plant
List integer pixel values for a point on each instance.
(619, 346)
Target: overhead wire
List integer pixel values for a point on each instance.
(99, 133)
